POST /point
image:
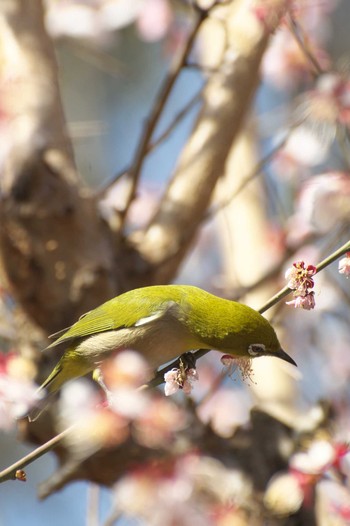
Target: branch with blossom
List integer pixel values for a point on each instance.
(300, 280)
(287, 491)
(185, 367)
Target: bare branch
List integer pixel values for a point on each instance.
(10, 472)
(161, 99)
(153, 145)
(301, 40)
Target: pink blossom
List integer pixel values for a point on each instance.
(17, 396)
(171, 382)
(326, 106)
(177, 379)
(316, 460)
(300, 280)
(126, 369)
(299, 277)
(323, 202)
(285, 64)
(159, 423)
(344, 265)
(18, 392)
(335, 499)
(225, 410)
(154, 20)
(306, 302)
(192, 376)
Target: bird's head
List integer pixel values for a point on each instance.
(264, 342)
(259, 349)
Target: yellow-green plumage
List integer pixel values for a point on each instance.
(161, 322)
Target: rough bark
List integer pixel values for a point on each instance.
(55, 250)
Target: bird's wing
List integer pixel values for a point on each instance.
(116, 316)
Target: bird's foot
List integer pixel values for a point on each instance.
(98, 377)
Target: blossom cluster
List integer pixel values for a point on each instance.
(130, 412)
(96, 21)
(18, 392)
(187, 489)
(300, 280)
(309, 473)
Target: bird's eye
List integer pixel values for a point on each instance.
(256, 349)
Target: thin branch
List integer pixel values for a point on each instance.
(162, 98)
(92, 508)
(275, 269)
(323, 264)
(10, 472)
(342, 135)
(189, 357)
(286, 290)
(301, 40)
(255, 172)
(100, 193)
(177, 119)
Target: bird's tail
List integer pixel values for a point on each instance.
(70, 366)
(45, 393)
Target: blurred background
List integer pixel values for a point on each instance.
(112, 58)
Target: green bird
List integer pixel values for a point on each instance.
(161, 322)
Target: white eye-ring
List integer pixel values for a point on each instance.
(256, 349)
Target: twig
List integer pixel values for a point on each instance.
(113, 518)
(255, 172)
(100, 193)
(275, 270)
(301, 40)
(286, 290)
(323, 264)
(178, 118)
(158, 107)
(342, 136)
(92, 507)
(191, 356)
(10, 472)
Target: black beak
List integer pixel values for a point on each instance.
(284, 356)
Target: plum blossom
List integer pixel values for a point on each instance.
(176, 379)
(287, 491)
(225, 410)
(187, 489)
(151, 420)
(326, 106)
(154, 21)
(18, 392)
(96, 21)
(284, 63)
(306, 302)
(323, 202)
(283, 494)
(344, 265)
(159, 423)
(333, 502)
(300, 277)
(300, 280)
